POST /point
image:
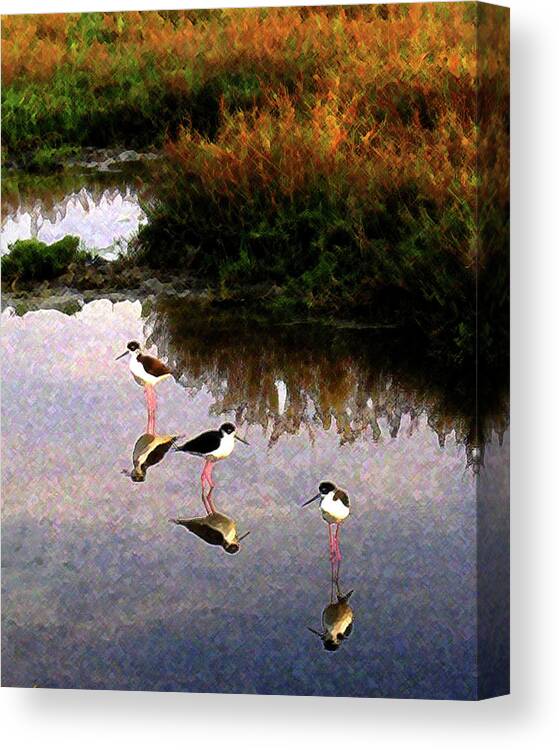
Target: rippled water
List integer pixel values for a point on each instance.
(100, 590)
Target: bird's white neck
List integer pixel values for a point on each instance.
(226, 445)
(227, 440)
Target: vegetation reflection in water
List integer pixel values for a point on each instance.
(311, 375)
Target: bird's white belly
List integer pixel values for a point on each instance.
(140, 375)
(333, 511)
(225, 448)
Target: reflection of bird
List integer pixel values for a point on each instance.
(334, 505)
(147, 372)
(337, 622)
(148, 451)
(215, 528)
(213, 446)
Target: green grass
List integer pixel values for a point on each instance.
(35, 261)
(338, 157)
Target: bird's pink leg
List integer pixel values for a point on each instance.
(207, 474)
(151, 404)
(207, 505)
(335, 575)
(337, 543)
(210, 503)
(210, 469)
(331, 543)
(146, 394)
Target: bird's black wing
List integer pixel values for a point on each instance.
(341, 495)
(202, 444)
(153, 366)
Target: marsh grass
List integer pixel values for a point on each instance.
(337, 155)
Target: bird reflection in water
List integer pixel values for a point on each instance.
(215, 528)
(148, 451)
(337, 616)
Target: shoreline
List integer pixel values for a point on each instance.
(70, 300)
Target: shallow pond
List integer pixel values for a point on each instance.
(101, 590)
(98, 201)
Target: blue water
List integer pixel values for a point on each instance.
(101, 591)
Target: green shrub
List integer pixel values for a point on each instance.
(32, 260)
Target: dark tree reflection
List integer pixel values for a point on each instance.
(308, 375)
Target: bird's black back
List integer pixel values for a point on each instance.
(202, 444)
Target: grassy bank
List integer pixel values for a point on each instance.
(33, 261)
(358, 189)
(337, 155)
(102, 78)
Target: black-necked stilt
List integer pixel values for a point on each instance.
(212, 445)
(148, 451)
(147, 372)
(334, 506)
(337, 622)
(215, 528)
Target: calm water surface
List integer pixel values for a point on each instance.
(100, 590)
(100, 206)
(104, 222)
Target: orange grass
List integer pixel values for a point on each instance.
(363, 137)
(355, 46)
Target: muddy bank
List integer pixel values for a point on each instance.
(117, 281)
(90, 158)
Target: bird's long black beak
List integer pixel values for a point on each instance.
(120, 356)
(244, 536)
(311, 500)
(241, 440)
(320, 635)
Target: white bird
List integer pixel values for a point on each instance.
(213, 445)
(334, 506)
(147, 372)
